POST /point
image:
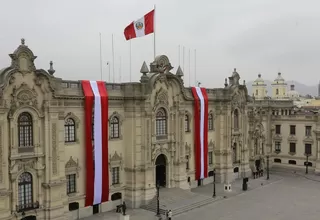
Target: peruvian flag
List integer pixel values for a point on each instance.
(140, 27)
(96, 108)
(201, 131)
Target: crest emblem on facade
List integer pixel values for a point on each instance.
(139, 25)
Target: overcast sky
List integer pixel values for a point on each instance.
(254, 36)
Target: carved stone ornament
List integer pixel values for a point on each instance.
(188, 149)
(159, 149)
(115, 161)
(21, 165)
(161, 98)
(211, 145)
(23, 96)
(72, 166)
(161, 64)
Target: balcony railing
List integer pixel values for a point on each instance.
(161, 137)
(25, 149)
(27, 207)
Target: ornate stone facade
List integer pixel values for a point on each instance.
(42, 151)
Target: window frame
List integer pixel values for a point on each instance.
(71, 183)
(68, 129)
(292, 129)
(25, 130)
(292, 146)
(161, 123)
(115, 175)
(277, 146)
(278, 129)
(114, 127)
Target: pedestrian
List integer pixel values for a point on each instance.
(169, 215)
(167, 211)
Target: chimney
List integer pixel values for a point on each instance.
(292, 87)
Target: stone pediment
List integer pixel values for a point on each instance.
(71, 163)
(116, 157)
(22, 64)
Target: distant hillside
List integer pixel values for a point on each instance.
(301, 88)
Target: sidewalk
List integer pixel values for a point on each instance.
(141, 214)
(135, 214)
(297, 172)
(236, 186)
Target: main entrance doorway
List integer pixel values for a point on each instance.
(30, 217)
(161, 162)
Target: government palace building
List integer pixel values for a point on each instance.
(150, 137)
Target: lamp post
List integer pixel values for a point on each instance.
(307, 163)
(267, 167)
(158, 202)
(214, 183)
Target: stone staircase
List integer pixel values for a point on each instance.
(179, 201)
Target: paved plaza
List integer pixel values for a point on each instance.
(286, 196)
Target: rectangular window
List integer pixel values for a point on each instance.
(307, 149)
(210, 159)
(292, 147)
(278, 129)
(115, 175)
(292, 130)
(277, 146)
(308, 131)
(71, 183)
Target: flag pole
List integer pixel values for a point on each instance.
(130, 58)
(189, 68)
(112, 58)
(154, 32)
(100, 58)
(120, 69)
(183, 59)
(195, 67)
(179, 54)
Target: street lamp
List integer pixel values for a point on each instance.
(214, 183)
(158, 202)
(307, 163)
(267, 167)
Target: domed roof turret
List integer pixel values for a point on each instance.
(293, 94)
(279, 79)
(259, 81)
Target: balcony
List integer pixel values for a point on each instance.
(161, 137)
(27, 207)
(26, 149)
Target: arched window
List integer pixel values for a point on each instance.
(115, 127)
(161, 122)
(277, 91)
(25, 192)
(69, 130)
(210, 122)
(186, 123)
(236, 119)
(25, 130)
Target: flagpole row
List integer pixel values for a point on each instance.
(189, 68)
(112, 58)
(130, 59)
(154, 32)
(100, 58)
(183, 69)
(195, 67)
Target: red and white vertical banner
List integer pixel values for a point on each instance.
(200, 131)
(97, 172)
